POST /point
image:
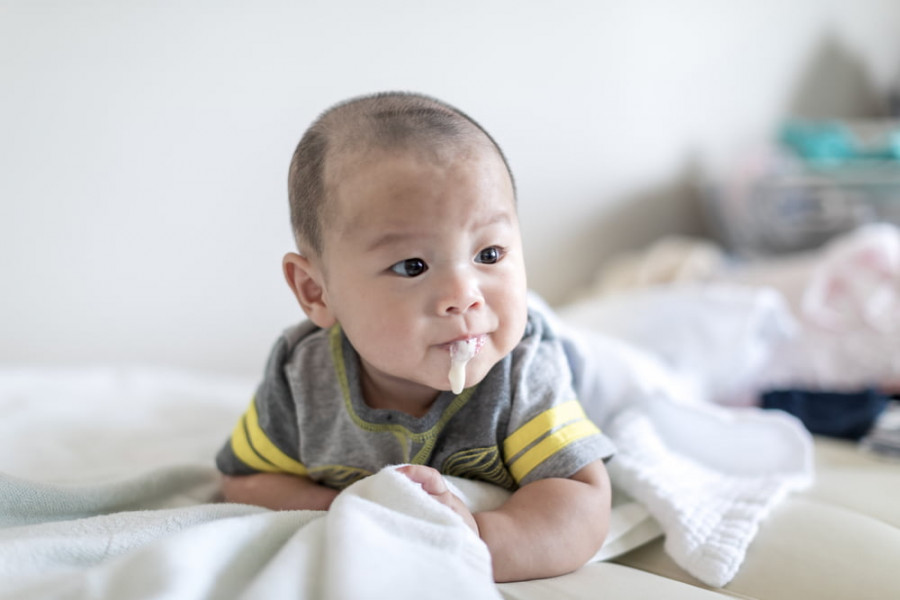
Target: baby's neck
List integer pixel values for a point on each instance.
(394, 394)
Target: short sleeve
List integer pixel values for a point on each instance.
(548, 433)
(265, 438)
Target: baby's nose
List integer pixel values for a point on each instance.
(460, 293)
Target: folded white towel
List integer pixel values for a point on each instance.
(709, 516)
(708, 474)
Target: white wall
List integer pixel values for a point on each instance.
(144, 145)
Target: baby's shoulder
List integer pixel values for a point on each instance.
(303, 347)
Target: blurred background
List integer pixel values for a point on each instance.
(144, 145)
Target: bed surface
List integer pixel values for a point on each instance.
(838, 540)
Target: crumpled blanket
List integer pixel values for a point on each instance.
(121, 541)
(161, 534)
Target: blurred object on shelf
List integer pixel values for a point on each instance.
(831, 143)
(823, 179)
(670, 260)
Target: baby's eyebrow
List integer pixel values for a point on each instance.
(389, 239)
(498, 218)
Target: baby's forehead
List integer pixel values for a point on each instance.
(358, 158)
(373, 143)
(350, 160)
(379, 178)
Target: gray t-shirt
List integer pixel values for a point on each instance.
(521, 423)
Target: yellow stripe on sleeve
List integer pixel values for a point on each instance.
(241, 447)
(539, 426)
(266, 449)
(550, 445)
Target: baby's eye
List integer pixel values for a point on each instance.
(411, 267)
(489, 256)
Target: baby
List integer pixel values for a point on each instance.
(420, 347)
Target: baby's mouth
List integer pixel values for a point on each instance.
(461, 352)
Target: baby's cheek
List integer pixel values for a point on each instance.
(513, 330)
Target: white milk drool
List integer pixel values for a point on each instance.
(461, 352)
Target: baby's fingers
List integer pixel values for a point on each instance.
(430, 479)
(433, 482)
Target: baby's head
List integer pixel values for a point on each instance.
(365, 127)
(404, 212)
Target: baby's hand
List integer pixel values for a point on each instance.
(433, 482)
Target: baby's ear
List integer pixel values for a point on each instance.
(306, 281)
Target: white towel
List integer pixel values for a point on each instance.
(708, 474)
(709, 516)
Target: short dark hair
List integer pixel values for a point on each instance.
(387, 120)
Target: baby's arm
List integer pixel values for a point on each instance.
(546, 528)
(278, 491)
